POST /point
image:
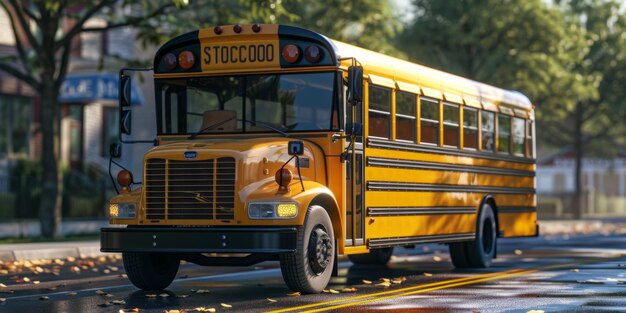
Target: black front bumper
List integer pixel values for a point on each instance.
(199, 240)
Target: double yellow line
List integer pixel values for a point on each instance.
(451, 283)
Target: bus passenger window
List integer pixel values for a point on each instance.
(470, 128)
(429, 121)
(487, 130)
(450, 125)
(504, 133)
(519, 136)
(379, 111)
(529, 138)
(405, 116)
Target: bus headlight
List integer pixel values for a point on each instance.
(272, 210)
(122, 210)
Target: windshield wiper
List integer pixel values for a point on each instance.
(265, 125)
(194, 135)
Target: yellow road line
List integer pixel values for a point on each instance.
(379, 296)
(375, 294)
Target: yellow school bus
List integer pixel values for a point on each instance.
(278, 143)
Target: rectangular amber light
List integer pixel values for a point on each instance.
(114, 210)
(286, 210)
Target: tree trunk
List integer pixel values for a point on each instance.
(52, 189)
(578, 155)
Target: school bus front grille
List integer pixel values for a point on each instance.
(177, 190)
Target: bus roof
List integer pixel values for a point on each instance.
(430, 81)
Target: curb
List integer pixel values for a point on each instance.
(35, 252)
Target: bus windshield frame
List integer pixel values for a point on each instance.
(288, 102)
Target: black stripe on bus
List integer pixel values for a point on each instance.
(407, 146)
(403, 241)
(402, 186)
(398, 211)
(410, 164)
(516, 209)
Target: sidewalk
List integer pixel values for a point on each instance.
(81, 249)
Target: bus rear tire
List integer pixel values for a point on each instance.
(374, 257)
(150, 271)
(309, 269)
(479, 252)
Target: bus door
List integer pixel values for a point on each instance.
(355, 217)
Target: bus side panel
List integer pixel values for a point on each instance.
(518, 224)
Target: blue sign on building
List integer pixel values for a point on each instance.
(93, 87)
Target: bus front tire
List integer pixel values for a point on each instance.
(150, 271)
(374, 257)
(480, 252)
(309, 269)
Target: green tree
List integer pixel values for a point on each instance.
(594, 125)
(527, 45)
(370, 24)
(43, 43)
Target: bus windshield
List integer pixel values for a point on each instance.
(248, 104)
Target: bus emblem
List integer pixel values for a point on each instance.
(191, 154)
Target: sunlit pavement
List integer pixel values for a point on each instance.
(584, 273)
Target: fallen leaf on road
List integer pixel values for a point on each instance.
(44, 298)
(437, 258)
(26, 279)
(400, 278)
(427, 274)
(201, 291)
(36, 282)
(133, 310)
(575, 270)
(271, 300)
(119, 302)
(106, 271)
(3, 299)
(71, 259)
(175, 311)
(164, 295)
(348, 289)
(518, 252)
(3, 285)
(367, 282)
(333, 291)
(295, 294)
(151, 296)
(224, 305)
(385, 280)
(203, 309)
(396, 281)
(100, 292)
(535, 311)
(384, 284)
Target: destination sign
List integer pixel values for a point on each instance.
(239, 55)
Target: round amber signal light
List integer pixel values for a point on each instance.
(291, 53)
(283, 178)
(125, 178)
(186, 59)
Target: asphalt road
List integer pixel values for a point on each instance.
(585, 273)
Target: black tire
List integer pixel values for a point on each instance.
(479, 252)
(374, 257)
(309, 269)
(150, 271)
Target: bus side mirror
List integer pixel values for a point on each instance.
(355, 84)
(115, 150)
(125, 121)
(124, 91)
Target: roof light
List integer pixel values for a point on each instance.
(218, 30)
(313, 54)
(169, 61)
(256, 28)
(237, 28)
(186, 59)
(291, 53)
